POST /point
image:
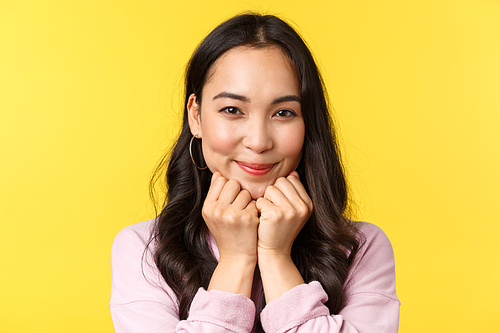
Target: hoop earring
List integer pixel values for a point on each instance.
(191, 154)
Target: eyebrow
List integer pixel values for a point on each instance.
(233, 96)
(287, 98)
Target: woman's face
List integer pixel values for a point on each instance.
(250, 118)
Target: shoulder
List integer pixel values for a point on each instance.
(373, 269)
(135, 234)
(134, 273)
(372, 235)
(141, 300)
(369, 229)
(130, 246)
(373, 242)
(371, 303)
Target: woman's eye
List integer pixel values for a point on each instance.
(285, 113)
(231, 110)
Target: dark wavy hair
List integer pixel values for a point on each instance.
(326, 246)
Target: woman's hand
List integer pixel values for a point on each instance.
(284, 210)
(232, 218)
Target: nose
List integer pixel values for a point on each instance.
(258, 135)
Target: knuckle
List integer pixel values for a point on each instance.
(303, 213)
(245, 194)
(221, 179)
(252, 205)
(280, 181)
(230, 217)
(233, 183)
(302, 209)
(278, 215)
(246, 218)
(205, 211)
(290, 214)
(218, 212)
(269, 189)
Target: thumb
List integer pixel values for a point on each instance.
(263, 205)
(252, 207)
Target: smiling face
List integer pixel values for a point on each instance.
(250, 118)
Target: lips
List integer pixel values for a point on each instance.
(254, 168)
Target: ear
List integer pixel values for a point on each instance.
(193, 109)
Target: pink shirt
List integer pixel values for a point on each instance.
(141, 301)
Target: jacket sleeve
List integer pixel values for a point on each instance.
(141, 301)
(371, 302)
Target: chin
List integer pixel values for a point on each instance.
(256, 191)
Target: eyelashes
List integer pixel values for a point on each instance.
(285, 113)
(230, 110)
(282, 113)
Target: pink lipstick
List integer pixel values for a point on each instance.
(255, 169)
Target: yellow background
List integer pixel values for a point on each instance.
(90, 98)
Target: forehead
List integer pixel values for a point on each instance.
(246, 67)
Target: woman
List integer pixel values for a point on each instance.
(252, 236)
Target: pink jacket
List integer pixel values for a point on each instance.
(141, 301)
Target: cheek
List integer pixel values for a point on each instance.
(217, 139)
(292, 143)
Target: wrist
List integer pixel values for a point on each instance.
(240, 261)
(235, 275)
(273, 259)
(279, 274)
(273, 254)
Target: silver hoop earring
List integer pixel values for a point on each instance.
(191, 154)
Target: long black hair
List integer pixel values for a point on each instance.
(325, 248)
